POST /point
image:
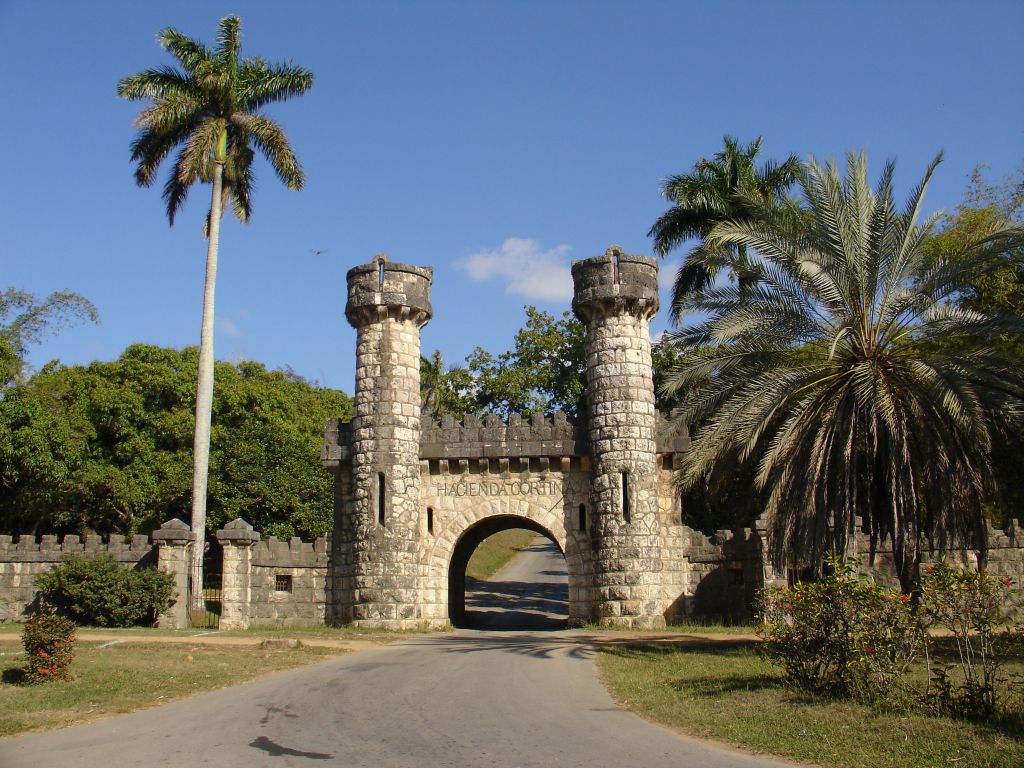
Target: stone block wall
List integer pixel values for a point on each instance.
(24, 558)
(272, 582)
(304, 565)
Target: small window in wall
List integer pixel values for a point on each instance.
(283, 582)
(381, 500)
(583, 517)
(625, 496)
(615, 268)
(430, 520)
(380, 275)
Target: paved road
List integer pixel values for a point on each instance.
(471, 698)
(468, 699)
(531, 592)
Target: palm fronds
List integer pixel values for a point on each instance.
(214, 95)
(864, 393)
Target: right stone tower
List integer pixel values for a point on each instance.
(615, 296)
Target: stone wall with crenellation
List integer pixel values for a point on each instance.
(24, 558)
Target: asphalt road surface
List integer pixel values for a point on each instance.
(470, 699)
(531, 592)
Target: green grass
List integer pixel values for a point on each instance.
(128, 676)
(256, 633)
(496, 550)
(722, 690)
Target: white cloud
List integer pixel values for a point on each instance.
(526, 268)
(228, 327)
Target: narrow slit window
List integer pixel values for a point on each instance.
(430, 520)
(615, 267)
(380, 497)
(583, 517)
(380, 275)
(283, 582)
(625, 496)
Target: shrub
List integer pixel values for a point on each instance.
(971, 605)
(100, 592)
(50, 647)
(842, 636)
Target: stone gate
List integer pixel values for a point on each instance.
(414, 498)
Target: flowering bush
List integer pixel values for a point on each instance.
(971, 605)
(843, 635)
(49, 642)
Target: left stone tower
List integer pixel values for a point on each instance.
(388, 304)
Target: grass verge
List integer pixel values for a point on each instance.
(722, 690)
(496, 550)
(126, 676)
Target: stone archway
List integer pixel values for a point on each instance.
(464, 549)
(470, 523)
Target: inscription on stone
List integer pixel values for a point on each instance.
(500, 488)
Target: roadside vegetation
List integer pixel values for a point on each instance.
(724, 690)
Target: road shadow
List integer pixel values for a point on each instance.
(505, 605)
(276, 750)
(538, 604)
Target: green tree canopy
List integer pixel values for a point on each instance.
(543, 373)
(107, 447)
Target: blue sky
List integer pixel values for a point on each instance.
(493, 141)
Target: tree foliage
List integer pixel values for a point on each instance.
(107, 447)
(443, 390)
(544, 372)
(25, 319)
(836, 373)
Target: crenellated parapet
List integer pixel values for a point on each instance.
(27, 548)
(293, 553)
(615, 283)
(491, 437)
(383, 289)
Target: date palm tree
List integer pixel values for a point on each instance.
(850, 374)
(209, 110)
(729, 186)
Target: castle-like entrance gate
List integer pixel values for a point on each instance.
(413, 498)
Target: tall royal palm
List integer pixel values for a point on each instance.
(209, 110)
(729, 186)
(850, 374)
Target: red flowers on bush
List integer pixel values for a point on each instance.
(49, 642)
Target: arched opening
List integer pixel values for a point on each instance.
(533, 596)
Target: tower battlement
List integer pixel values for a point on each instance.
(615, 281)
(383, 287)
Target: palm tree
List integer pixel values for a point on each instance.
(729, 186)
(850, 374)
(210, 109)
(444, 390)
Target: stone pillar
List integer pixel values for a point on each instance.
(174, 540)
(615, 296)
(236, 539)
(388, 304)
